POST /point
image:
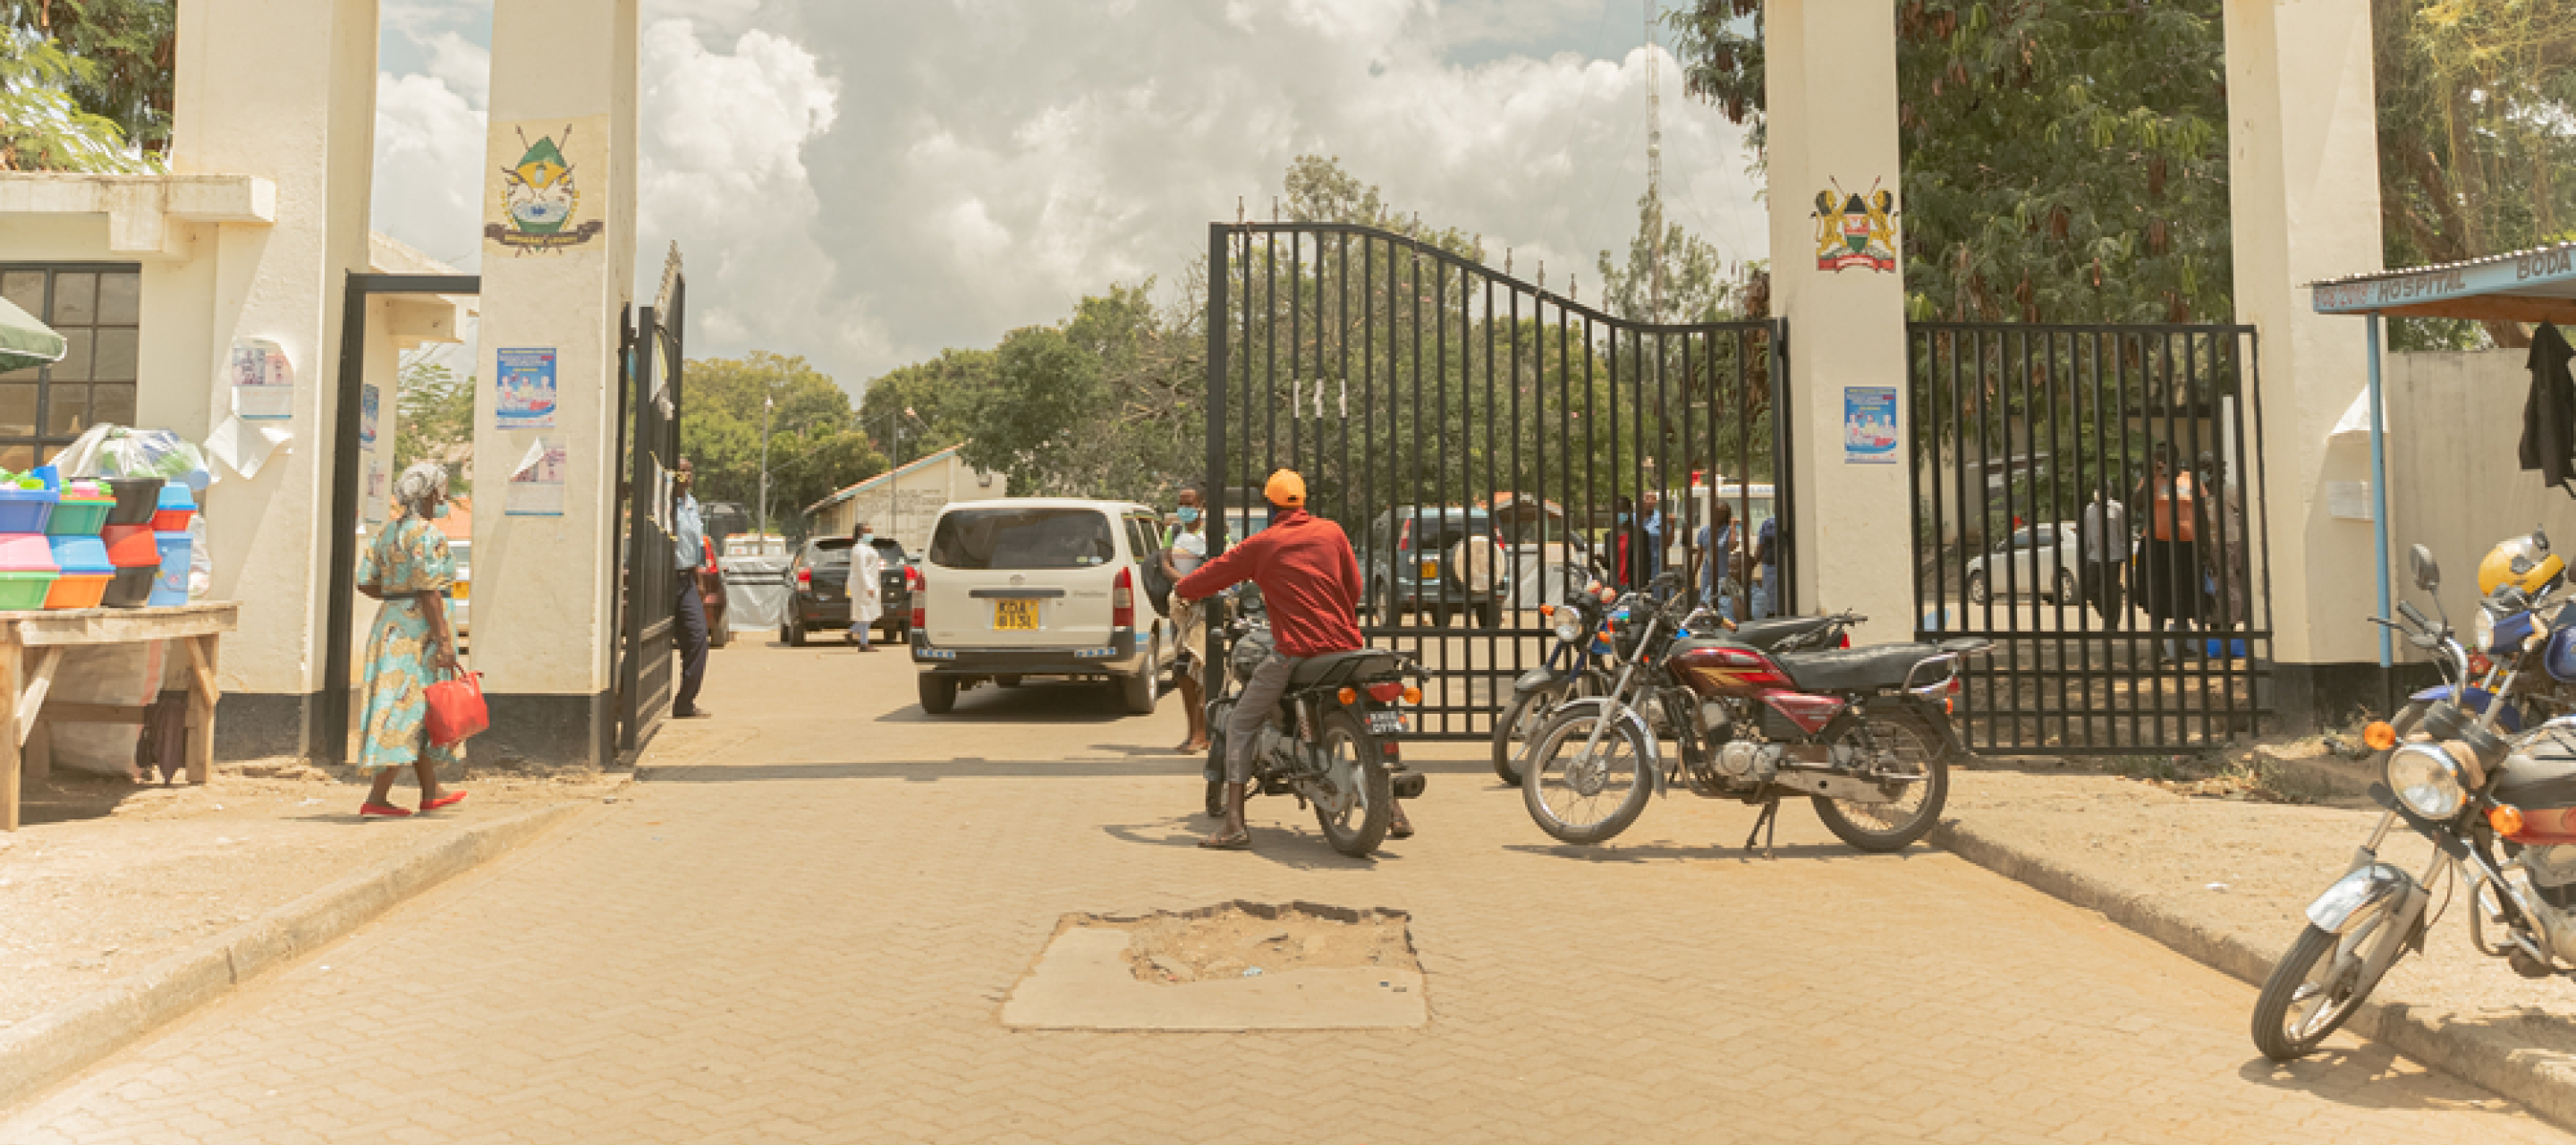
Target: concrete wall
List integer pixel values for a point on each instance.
(2455, 481)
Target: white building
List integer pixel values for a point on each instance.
(904, 502)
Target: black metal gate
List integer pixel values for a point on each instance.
(2130, 602)
(1476, 435)
(649, 448)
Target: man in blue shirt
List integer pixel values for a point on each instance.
(689, 548)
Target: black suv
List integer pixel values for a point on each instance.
(1440, 560)
(818, 596)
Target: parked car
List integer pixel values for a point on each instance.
(1440, 560)
(1039, 586)
(818, 597)
(2046, 561)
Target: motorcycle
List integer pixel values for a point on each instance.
(1864, 732)
(2468, 790)
(1581, 662)
(1332, 743)
(2517, 621)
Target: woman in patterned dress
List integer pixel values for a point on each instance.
(409, 570)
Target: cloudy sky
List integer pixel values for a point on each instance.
(865, 182)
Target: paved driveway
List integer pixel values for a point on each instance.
(806, 935)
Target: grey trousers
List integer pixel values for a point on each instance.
(1260, 699)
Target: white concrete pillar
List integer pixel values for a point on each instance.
(2303, 180)
(558, 264)
(1830, 84)
(283, 90)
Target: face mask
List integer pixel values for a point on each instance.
(439, 513)
(1623, 518)
(1189, 515)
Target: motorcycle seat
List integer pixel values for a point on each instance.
(1855, 669)
(2538, 782)
(1356, 664)
(1765, 633)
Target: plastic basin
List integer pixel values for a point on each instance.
(137, 498)
(171, 587)
(26, 552)
(130, 588)
(131, 546)
(23, 590)
(78, 517)
(77, 590)
(25, 510)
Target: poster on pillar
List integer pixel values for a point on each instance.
(536, 204)
(367, 405)
(378, 496)
(537, 485)
(263, 381)
(1869, 425)
(523, 382)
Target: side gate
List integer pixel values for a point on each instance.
(2129, 599)
(1476, 435)
(649, 425)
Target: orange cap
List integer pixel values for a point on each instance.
(1286, 489)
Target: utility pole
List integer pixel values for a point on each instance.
(1654, 174)
(768, 404)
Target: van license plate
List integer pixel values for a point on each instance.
(1015, 616)
(1386, 723)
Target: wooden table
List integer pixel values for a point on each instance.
(25, 678)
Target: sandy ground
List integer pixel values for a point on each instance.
(109, 876)
(2211, 849)
(1231, 942)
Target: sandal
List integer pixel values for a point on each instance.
(382, 811)
(1224, 841)
(1400, 829)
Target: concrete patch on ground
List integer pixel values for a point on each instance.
(1233, 966)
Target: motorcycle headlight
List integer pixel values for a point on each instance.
(2486, 630)
(2426, 781)
(1569, 627)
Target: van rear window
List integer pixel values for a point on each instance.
(1022, 539)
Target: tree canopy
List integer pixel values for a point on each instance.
(85, 84)
(815, 446)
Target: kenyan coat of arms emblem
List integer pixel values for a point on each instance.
(1855, 230)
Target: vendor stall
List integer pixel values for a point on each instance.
(31, 649)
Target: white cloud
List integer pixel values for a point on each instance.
(428, 186)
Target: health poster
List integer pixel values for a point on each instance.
(367, 405)
(263, 381)
(537, 485)
(524, 389)
(378, 496)
(1869, 425)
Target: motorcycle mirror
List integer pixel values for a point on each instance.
(2539, 539)
(2428, 575)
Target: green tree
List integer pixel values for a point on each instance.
(435, 419)
(2062, 161)
(1107, 404)
(85, 85)
(815, 446)
(935, 401)
(1695, 285)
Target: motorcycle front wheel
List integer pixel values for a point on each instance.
(1584, 798)
(1520, 722)
(2318, 984)
(1350, 750)
(1900, 752)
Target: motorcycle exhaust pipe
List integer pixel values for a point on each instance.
(1410, 784)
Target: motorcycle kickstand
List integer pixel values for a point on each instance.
(1768, 820)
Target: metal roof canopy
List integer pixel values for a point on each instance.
(2536, 285)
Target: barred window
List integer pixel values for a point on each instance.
(96, 307)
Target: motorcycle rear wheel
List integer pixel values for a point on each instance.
(1901, 748)
(1360, 827)
(2318, 985)
(1586, 800)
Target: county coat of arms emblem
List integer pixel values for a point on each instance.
(540, 194)
(1855, 230)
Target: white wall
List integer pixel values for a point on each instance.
(924, 491)
(2455, 481)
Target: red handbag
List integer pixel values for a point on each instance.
(456, 708)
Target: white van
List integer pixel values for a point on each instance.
(1040, 586)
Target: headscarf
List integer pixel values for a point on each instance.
(423, 483)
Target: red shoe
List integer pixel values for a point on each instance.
(382, 811)
(451, 797)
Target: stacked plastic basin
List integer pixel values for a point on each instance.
(170, 520)
(26, 562)
(71, 531)
(132, 550)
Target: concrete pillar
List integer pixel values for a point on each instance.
(1831, 94)
(283, 90)
(558, 267)
(2303, 180)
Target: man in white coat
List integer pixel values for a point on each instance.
(867, 586)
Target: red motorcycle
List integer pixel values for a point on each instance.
(1863, 732)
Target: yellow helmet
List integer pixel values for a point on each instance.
(2523, 562)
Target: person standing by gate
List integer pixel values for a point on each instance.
(2223, 551)
(1184, 550)
(689, 546)
(867, 585)
(1717, 560)
(408, 568)
(2106, 554)
(2166, 574)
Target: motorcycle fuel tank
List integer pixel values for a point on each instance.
(1718, 668)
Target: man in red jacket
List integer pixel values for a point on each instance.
(1310, 585)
